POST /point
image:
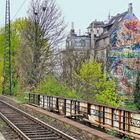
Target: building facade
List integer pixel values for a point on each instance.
(115, 43)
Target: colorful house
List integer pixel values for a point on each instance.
(116, 43)
(117, 46)
(124, 55)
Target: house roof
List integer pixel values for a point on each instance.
(115, 20)
(118, 16)
(96, 24)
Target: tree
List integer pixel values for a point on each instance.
(137, 91)
(72, 60)
(1, 56)
(94, 85)
(52, 86)
(43, 32)
(16, 29)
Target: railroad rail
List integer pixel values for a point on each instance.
(28, 127)
(125, 122)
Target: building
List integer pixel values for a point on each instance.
(116, 43)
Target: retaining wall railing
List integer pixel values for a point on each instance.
(124, 121)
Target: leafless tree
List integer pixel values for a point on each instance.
(71, 61)
(43, 32)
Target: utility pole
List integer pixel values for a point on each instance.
(7, 68)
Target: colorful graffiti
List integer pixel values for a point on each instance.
(125, 53)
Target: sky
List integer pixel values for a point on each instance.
(81, 12)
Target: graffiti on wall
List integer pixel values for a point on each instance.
(125, 53)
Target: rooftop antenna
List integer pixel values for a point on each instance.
(79, 32)
(72, 31)
(130, 8)
(109, 16)
(7, 68)
(72, 25)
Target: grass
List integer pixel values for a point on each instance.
(131, 106)
(127, 138)
(21, 98)
(112, 132)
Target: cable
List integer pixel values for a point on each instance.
(19, 9)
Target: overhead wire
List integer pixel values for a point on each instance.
(19, 9)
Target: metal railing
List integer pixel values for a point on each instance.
(124, 121)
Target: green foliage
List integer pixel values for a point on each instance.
(1, 75)
(95, 85)
(109, 98)
(127, 138)
(137, 92)
(112, 132)
(51, 86)
(16, 29)
(1, 57)
(21, 98)
(131, 106)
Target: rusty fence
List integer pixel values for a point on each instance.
(123, 121)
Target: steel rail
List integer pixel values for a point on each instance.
(23, 135)
(18, 131)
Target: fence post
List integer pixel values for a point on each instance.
(52, 103)
(65, 106)
(78, 107)
(112, 117)
(75, 107)
(33, 98)
(49, 102)
(129, 115)
(120, 112)
(70, 107)
(29, 98)
(38, 99)
(57, 106)
(103, 115)
(89, 108)
(43, 101)
(124, 120)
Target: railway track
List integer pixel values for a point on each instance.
(29, 127)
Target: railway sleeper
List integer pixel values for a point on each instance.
(47, 138)
(41, 135)
(38, 133)
(29, 127)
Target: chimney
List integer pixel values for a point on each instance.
(72, 31)
(79, 32)
(130, 8)
(72, 25)
(109, 17)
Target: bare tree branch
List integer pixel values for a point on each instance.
(43, 32)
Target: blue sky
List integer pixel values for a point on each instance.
(18, 9)
(81, 12)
